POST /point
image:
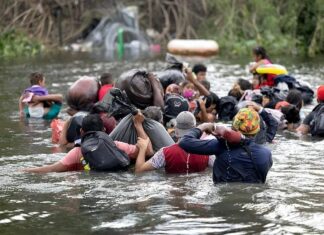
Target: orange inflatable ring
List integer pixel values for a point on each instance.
(193, 47)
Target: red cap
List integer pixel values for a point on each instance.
(281, 104)
(320, 93)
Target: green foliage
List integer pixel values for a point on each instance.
(14, 43)
(282, 26)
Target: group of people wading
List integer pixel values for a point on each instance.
(171, 119)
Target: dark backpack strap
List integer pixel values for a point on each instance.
(248, 151)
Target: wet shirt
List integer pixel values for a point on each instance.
(233, 163)
(72, 159)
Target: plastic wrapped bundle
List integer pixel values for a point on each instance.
(126, 132)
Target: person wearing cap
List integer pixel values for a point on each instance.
(245, 162)
(308, 123)
(173, 158)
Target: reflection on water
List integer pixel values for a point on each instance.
(77, 202)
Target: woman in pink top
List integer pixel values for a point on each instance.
(260, 57)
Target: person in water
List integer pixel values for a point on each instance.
(200, 71)
(106, 84)
(261, 57)
(308, 123)
(92, 122)
(36, 102)
(246, 162)
(173, 158)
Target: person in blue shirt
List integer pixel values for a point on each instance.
(246, 162)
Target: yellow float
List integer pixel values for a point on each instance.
(271, 69)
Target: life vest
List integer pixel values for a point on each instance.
(179, 161)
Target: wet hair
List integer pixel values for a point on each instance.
(199, 68)
(291, 113)
(236, 93)
(153, 112)
(92, 122)
(244, 84)
(211, 99)
(106, 78)
(260, 51)
(36, 78)
(295, 97)
(206, 84)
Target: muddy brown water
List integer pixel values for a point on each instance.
(291, 201)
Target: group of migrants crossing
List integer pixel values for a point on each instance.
(171, 119)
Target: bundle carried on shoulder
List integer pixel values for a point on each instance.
(82, 94)
(137, 86)
(100, 153)
(125, 132)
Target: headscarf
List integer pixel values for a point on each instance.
(247, 121)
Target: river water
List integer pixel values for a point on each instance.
(291, 201)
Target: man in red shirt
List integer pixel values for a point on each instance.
(173, 158)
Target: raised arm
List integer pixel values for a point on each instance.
(138, 123)
(142, 144)
(202, 90)
(192, 143)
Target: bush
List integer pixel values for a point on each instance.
(14, 43)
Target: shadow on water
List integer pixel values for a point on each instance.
(77, 202)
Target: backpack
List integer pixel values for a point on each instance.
(227, 108)
(174, 104)
(101, 153)
(317, 124)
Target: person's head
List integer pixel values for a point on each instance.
(206, 84)
(173, 89)
(295, 97)
(247, 121)
(236, 93)
(188, 90)
(106, 78)
(153, 112)
(291, 113)
(212, 100)
(244, 84)
(201, 71)
(320, 94)
(184, 122)
(259, 53)
(91, 122)
(257, 80)
(37, 79)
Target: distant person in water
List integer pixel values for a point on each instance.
(106, 82)
(201, 71)
(36, 102)
(261, 57)
(314, 121)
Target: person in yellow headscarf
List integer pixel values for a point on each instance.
(245, 162)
